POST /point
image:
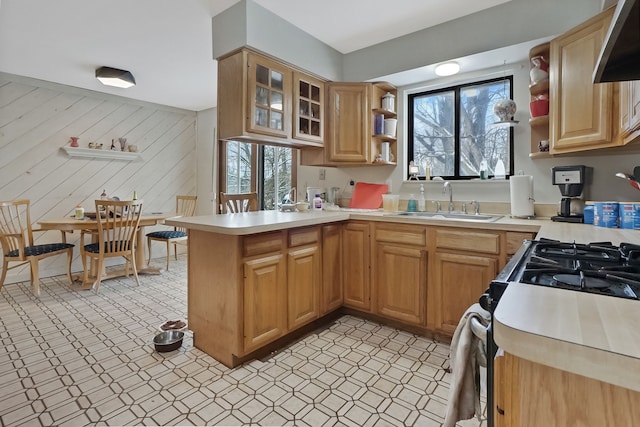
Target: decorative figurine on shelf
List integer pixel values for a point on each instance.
(539, 70)
(123, 143)
(113, 145)
(73, 141)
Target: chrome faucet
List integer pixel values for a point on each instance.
(476, 207)
(447, 186)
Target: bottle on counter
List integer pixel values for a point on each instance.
(135, 195)
(411, 205)
(317, 203)
(484, 169)
(421, 200)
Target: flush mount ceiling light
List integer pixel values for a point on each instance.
(447, 68)
(114, 77)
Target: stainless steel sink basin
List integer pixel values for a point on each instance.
(456, 216)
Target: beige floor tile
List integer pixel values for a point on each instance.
(76, 358)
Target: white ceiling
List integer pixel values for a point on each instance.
(166, 44)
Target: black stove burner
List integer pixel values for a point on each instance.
(591, 252)
(600, 268)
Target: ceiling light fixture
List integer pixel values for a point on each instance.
(447, 68)
(114, 77)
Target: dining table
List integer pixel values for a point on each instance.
(90, 223)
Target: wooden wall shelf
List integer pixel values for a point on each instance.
(94, 153)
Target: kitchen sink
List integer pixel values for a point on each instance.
(456, 216)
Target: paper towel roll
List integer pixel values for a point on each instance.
(521, 187)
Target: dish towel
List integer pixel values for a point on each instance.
(467, 354)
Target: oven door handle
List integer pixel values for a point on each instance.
(478, 329)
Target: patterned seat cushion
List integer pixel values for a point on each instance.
(168, 234)
(94, 248)
(36, 250)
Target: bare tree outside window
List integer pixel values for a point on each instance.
(277, 175)
(452, 130)
(238, 167)
(273, 174)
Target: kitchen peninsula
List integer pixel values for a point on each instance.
(258, 280)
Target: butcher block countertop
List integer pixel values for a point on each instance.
(586, 334)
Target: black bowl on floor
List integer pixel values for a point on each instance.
(168, 341)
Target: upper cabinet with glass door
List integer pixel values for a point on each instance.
(263, 100)
(269, 85)
(308, 108)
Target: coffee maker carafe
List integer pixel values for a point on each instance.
(570, 180)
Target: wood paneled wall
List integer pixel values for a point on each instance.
(36, 120)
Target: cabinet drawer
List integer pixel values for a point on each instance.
(468, 240)
(262, 244)
(304, 236)
(402, 233)
(515, 240)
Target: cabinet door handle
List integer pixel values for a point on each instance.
(500, 410)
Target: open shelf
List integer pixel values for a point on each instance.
(94, 153)
(539, 88)
(539, 121)
(540, 155)
(540, 129)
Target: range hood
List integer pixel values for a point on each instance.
(620, 55)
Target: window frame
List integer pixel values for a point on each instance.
(257, 165)
(456, 88)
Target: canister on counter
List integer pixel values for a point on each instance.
(630, 215)
(588, 213)
(606, 214)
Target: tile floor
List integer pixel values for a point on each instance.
(74, 358)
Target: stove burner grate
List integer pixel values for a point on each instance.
(580, 281)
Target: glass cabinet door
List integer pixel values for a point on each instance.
(308, 101)
(269, 105)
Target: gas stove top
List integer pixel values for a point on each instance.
(600, 268)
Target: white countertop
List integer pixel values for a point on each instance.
(258, 222)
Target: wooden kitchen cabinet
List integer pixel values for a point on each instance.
(356, 276)
(264, 289)
(400, 279)
(350, 136)
(629, 111)
(464, 262)
(260, 99)
(308, 108)
(331, 287)
(581, 112)
(304, 275)
(349, 124)
(535, 395)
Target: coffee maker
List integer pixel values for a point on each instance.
(571, 181)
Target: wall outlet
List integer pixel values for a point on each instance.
(323, 174)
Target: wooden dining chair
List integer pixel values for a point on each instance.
(235, 203)
(185, 206)
(16, 240)
(116, 237)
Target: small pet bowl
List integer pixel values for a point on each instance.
(168, 341)
(302, 206)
